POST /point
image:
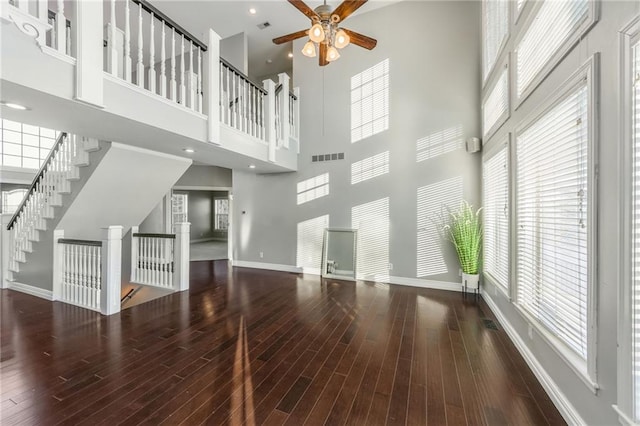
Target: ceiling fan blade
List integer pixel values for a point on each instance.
(302, 7)
(346, 8)
(322, 56)
(291, 37)
(361, 40)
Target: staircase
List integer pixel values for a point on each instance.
(42, 206)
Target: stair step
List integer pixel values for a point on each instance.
(91, 145)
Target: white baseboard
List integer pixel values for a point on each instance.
(567, 410)
(33, 291)
(268, 266)
(418, 282)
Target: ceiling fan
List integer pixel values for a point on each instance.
(325, 31)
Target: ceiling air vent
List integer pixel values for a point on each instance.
(264, 25)
(327, 157)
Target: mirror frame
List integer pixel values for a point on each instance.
(325, 248)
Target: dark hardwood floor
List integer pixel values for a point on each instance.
(258, 347)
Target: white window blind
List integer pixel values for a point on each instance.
(635, 96)
(552, 225)
(370, 101)
(495, 28)
(553, 24)
(496, 216)
(495, 108)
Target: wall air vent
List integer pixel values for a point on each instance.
(264, 25)
(327, 157)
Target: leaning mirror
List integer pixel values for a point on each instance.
(339, 253)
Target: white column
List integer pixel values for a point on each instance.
(296, 117)
(111, 270)
(181, 256)
(270, 117)
(283, 78)
(43, 11)
(61, 28)
(89, 60)
(134, 254)
(58, 267)
(5, 249)
(212, 87)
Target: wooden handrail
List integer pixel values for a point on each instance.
(169, 236)
(43, 168)
(170, 23)
(242, 75)
(80, 242)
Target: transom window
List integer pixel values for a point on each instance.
(24, 145)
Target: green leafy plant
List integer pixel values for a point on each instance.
(465, 231)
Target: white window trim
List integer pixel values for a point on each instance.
(593, 15)
(586, 371)
(506, 64)
(501, 49)
(488, 154)
(629, 34)
(517, 14)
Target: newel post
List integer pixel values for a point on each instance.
(283, 78)
(111, 270)
(296, 116)
(5, 249)
(270, 117)
(181, 256)
(58, 260)
(89, 51)
(213, 87)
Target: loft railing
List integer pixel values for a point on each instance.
(175, 72)
(46, 165)
(241, 101)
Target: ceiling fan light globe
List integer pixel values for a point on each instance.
(309, 49)
(316, 33)
(342, 39)
(332, 54)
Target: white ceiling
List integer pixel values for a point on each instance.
(228, 18)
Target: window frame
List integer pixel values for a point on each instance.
(489, 153)
(624, 406)
(505, 41)
(585, 369)
(216, 214)
(506, 66)
(593, 15)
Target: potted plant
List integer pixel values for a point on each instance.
(464, 230)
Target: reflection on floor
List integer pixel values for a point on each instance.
(140, 294)
(209, 250)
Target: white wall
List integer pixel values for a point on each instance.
(434, 86)
(603, 37)
(205, 177)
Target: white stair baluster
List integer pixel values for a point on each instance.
(199, 80)
(113, 51)
(222, 99)
(140, 68)
(127, 41)
(152, 57)
(192, 86)
(173, 84)
(61, 28)
(163, 66)
(183, 87)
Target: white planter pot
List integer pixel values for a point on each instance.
(470, 281)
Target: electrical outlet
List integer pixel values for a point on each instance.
(390, 266)
(460, 272)
(261, 255)
(530, 332)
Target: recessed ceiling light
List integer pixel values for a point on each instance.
(252, 11)
(252, 166)
(269, 61)
(290, 54)
(14, 106)
(188, 150)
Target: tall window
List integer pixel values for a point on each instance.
(495, 108)
(553, 225)
(179, 208)
(370, 101)
(24, 145)
(495, 173)
(635, 267)
(221, 219)
(550, 32)
(495, 26)
(11, 200)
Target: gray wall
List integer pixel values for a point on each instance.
(235, 50)
(433, 86)
(200, 212)
(603, 38)
(205, 176)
